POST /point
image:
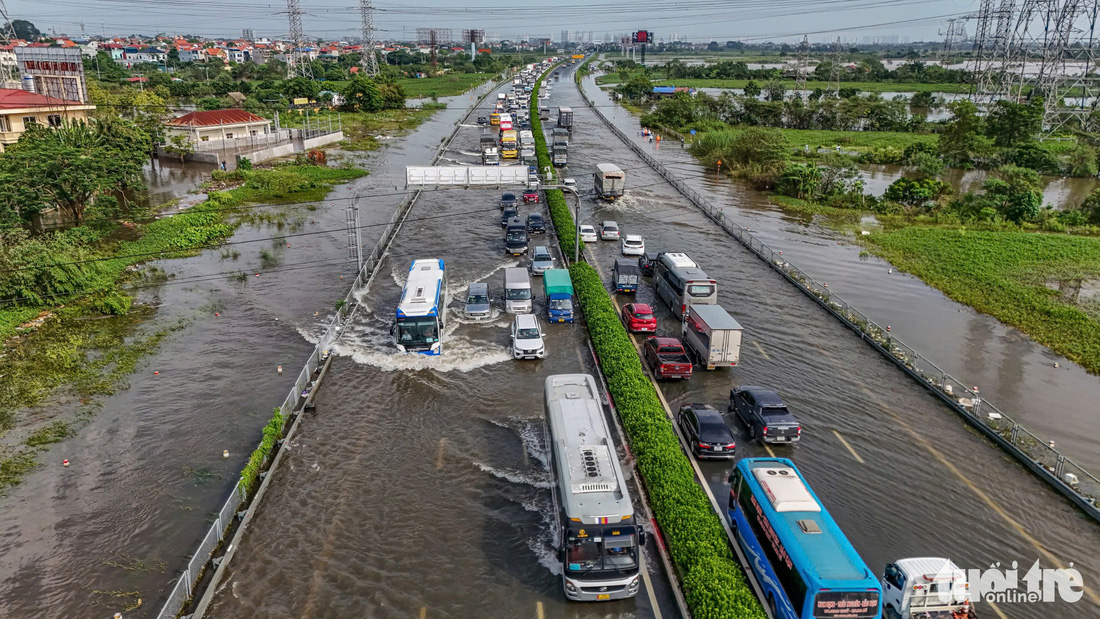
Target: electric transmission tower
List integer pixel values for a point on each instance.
(368, 62)
(296, 66)
(834, 75)
(950, 37)
(9, 74)
(802, 68)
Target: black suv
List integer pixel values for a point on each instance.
(706, 432)
(508, 199)
(764, 415)
(536, 224)
(647, 262)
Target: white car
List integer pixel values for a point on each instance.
(609, 231)
(527, 338)
(588, 233)
(569, 182)
(633, 245)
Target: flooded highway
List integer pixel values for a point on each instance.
(421, 487)
(901, 474)
(1015, 373)
(114, 530)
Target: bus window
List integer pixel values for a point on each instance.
(701, 290)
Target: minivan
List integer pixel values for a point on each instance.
(517, 291)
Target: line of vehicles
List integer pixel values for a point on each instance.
(806, 567)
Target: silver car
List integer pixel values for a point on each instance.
(477, 302)
(541, 260)
(609, 231)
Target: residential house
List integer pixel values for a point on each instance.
(237, 55)
(20, 109)
(130, 56)
(218, 125)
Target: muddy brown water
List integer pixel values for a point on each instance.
(147, 474)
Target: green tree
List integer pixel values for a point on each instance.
(920, 192)
(362, 94)
(393, 95)
(637, 88)
(210, 103)
(960, 139)
(24, 30)
(1091, 207)
(180, 146)
(752, 89)
(1012, 124)
(70, 166)
(926, 164)
(300, 88)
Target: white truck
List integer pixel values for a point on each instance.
(526, 138)
(609, 181)
(712, 336)
(490, 156)
(925, 588)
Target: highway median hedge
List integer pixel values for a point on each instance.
(560, 215)
(714, 584)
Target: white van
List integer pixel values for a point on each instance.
(517, 291)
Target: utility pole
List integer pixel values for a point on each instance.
(368, 61)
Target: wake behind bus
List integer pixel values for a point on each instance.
(420, 319)
(600, 546)
(806, 568)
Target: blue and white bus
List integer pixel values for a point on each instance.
(807, 569)
(421, 312)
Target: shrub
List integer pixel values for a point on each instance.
(560, 215)
(271, 433)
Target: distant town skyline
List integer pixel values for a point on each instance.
(720, 20)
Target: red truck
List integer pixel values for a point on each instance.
(667, 358)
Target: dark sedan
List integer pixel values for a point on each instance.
(508, 199)
(706, 432)
(536, 224)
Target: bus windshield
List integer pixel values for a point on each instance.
(610, 554)
(414, 331)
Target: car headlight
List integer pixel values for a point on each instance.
(570, 587)
(634, 583)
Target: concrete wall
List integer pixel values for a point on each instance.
(256, 155)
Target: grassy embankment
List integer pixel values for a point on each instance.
(447, 85)
(80, 352)
(713, 581)
(613, 78)
(1010, 276)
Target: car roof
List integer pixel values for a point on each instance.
(535, 215)
(526, 320)
(632, 237)
(609, 222)
(479, 288)
(704, 411)
(541, 249)
(764, 397)
(640, 307)
(588, 226)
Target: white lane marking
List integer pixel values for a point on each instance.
(761, 349)
(845, 443)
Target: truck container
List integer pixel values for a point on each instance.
(544, 111)
(926, 588)
(712, 336)
(625, 276)
(609, 180)
(565, 118)
(559, 295)
(490, 156)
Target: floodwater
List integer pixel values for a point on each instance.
(901, 473)
(421, 486)
(1012, 371)
(147, 472)
(1061, 192)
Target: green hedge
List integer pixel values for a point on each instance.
(714, 584)
(560, 215)
(272, 432)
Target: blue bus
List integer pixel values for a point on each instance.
(806, 568)
(420, 319)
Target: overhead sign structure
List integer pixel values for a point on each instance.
(53, 71)
(465, 176)
(643, 36)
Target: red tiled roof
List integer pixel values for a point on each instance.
(214, 118)
(14, 99)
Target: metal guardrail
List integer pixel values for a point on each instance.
(230, 513)
(1038, 455)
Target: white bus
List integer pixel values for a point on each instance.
(680, 282)
(600, 542)
(421, 314)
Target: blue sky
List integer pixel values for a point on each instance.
(823, 20)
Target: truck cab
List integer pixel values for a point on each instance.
(926, 588)
(559, 295)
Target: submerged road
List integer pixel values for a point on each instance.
(901, 474)
(421, 488)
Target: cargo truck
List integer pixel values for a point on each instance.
(559, 295)
(559, 154)
(926, 588)
(712, 336)
(610, 181)
(490, 156)
(565, 118)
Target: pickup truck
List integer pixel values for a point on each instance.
(926, 588)
(764, 415)
(667, 358)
